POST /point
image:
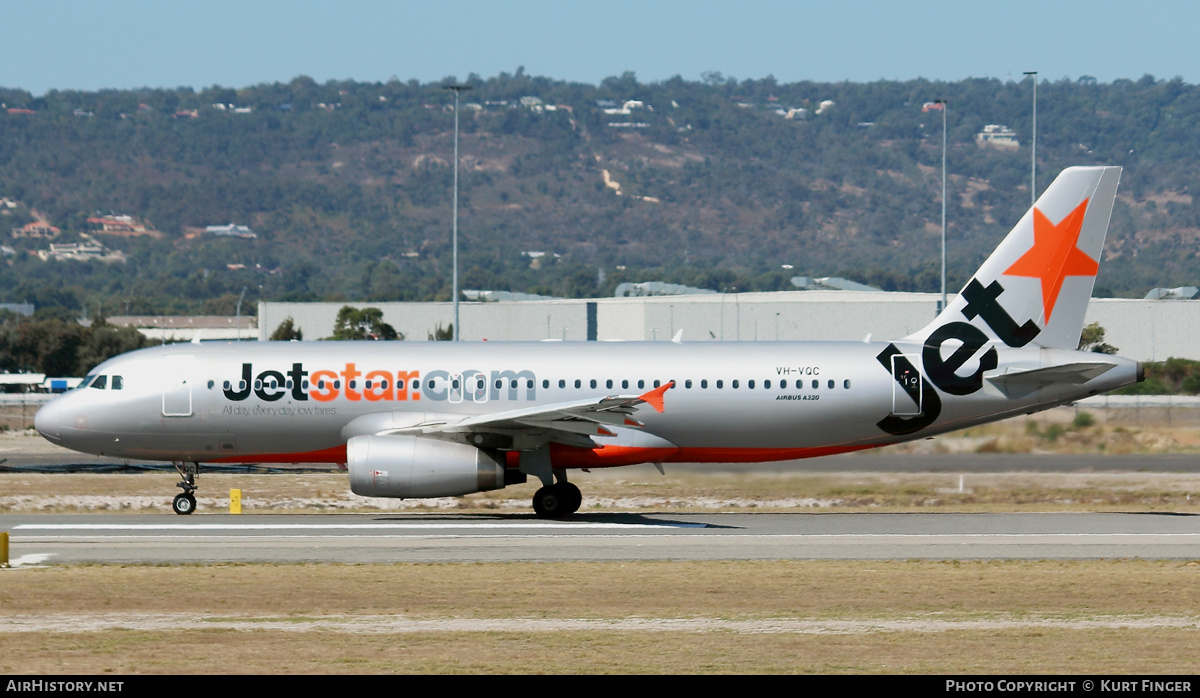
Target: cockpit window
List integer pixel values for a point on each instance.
(118, 382)
(87, 380)
(100, 383)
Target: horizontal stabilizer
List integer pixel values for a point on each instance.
(1018, 383)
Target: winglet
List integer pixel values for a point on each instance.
(655, 397)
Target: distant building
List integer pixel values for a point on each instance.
(498, 296)
(85, 251)
(831, 283)
(186, 328)
(1180, 293)
(36, 229)
(120, 225)
(25, 309)
(997, 136)
(231, 230)
(656, 288)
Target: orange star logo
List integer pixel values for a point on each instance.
(1054, 255)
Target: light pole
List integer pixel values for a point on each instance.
(456, 89)
(1033, 167)
(239, 314)
(945, 106)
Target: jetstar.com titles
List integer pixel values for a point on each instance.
(379, 385)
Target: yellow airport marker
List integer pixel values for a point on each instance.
(235, 501)
(4, 549)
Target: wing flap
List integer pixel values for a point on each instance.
(571, 423)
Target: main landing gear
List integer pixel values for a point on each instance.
(185, 502)
(558, 500)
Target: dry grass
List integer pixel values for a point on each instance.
(1028, 652)
(983, 617)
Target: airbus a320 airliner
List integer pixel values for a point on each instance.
(417, 420)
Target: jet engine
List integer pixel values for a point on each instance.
(416, 467)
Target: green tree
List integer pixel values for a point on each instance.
(362, 323)
(287, 332)
(103, 341)
(442, 334)
(62, 347)
(1092, 339)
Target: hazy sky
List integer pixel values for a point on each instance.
(94, 44)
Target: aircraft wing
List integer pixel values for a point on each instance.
(572, 423)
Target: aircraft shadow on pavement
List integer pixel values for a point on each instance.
(1156, 513)
(629, 519)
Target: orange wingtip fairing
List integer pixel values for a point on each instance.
(654, 398)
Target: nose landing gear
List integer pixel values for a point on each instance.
(185, 502)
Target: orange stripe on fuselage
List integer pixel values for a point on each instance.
(612, 456)
(604, 457)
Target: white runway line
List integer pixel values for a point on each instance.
(31, 559)
(346, 527)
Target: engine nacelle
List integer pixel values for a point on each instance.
(415, 467)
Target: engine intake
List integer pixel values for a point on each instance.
(415, 467)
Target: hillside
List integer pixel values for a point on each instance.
(346, 186)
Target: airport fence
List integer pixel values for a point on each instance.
(17, 410)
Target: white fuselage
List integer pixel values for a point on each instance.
(302, 401)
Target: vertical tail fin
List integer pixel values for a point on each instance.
(1035, 286)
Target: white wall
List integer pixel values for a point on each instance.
(1142, 330)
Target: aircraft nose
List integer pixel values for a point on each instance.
(48, 420)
